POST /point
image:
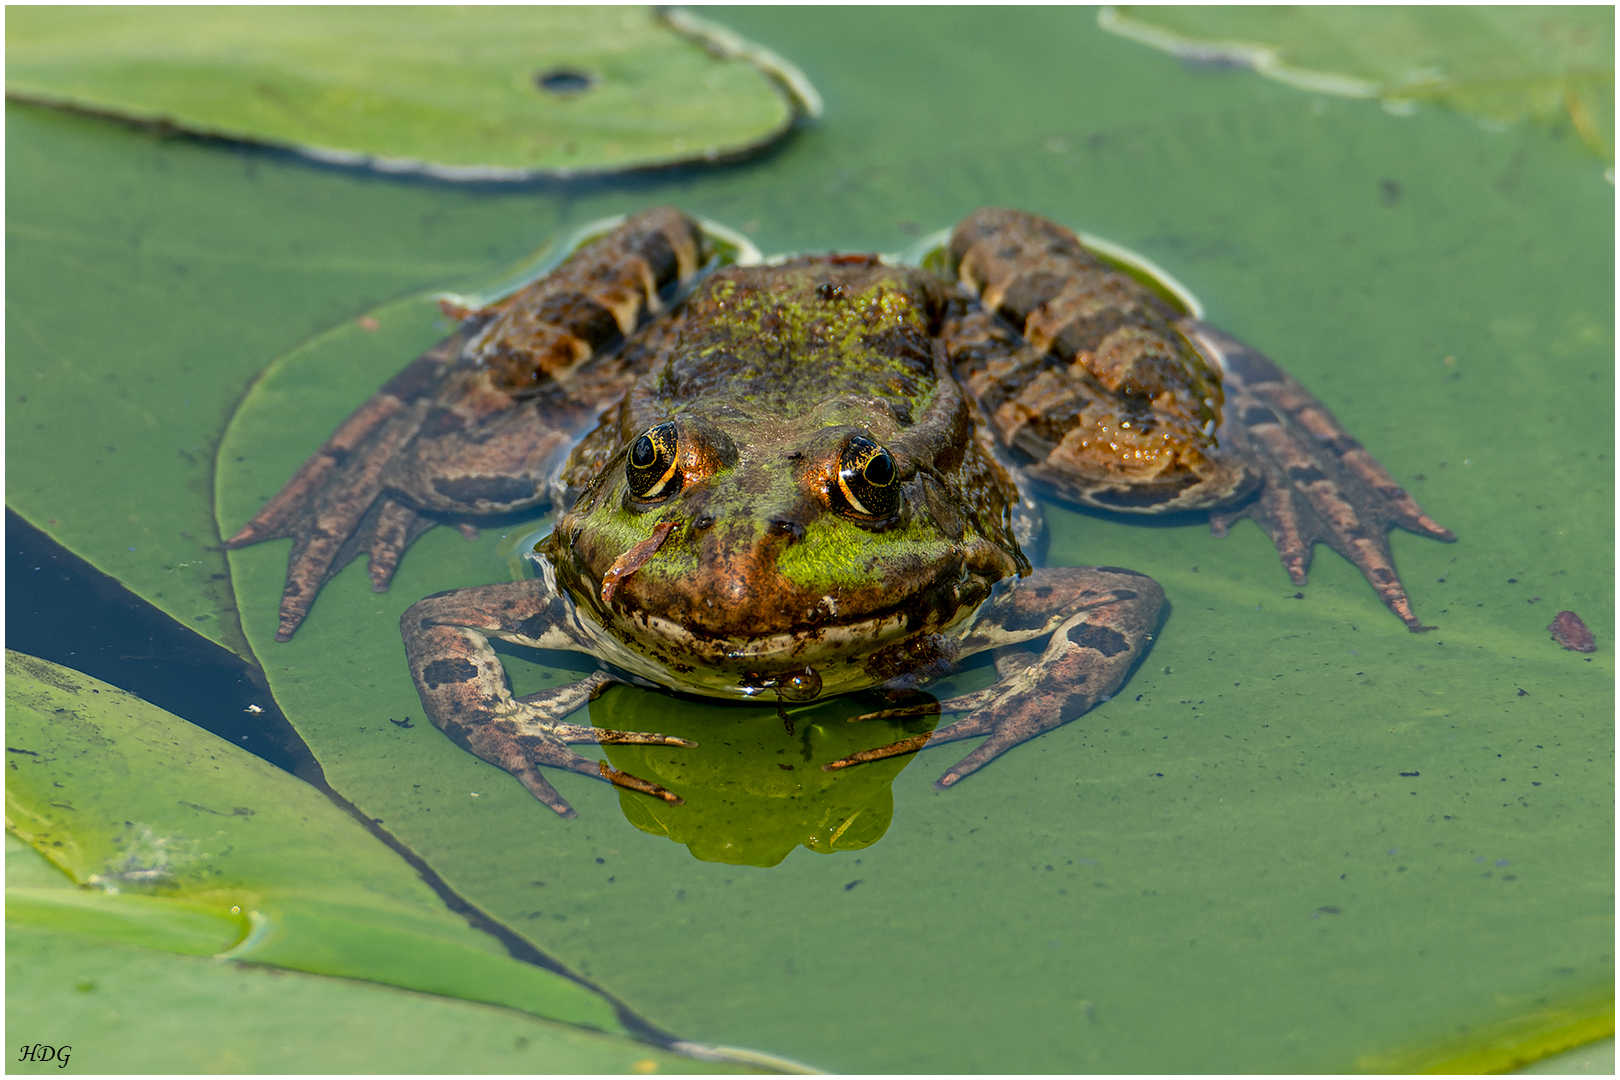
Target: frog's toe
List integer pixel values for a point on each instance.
(978, 724)
(559, 756)
(529, 776)
(1013, 718)
(388, 530)
(1320, 485)
(584, 733)
(998, 743)
(962, 703)
(636, 783)
(964, 729)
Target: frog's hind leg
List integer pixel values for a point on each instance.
(338, 487)
(1081, 368)
(474, 427)
(1101, 621)
(1321, 485)
(463, 687)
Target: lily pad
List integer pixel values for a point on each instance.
(1359, 251)
(124, 326)
(182, 842)
(501, 93)
(755, 791)
(119, 1008)
(1501, 64)
(343, 666)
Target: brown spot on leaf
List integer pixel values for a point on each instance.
(1570, 632)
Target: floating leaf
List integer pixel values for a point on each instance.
(199, 847)
(498, 93)
(1501, 64)
(344, 666)
(156, 287)
(1358, 252)
(754, 790)
(119, 1008)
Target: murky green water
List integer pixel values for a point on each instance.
(1302, 839)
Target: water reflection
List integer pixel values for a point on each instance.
(755, 790)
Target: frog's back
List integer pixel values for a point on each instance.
(782, 339)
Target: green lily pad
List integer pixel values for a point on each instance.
(182, 842)
(1595, 1058)
(119, 1008)
(455, 93)
(1501, 64)
(343, 665)
(754, 791)
(1359, 250)
(130, 241)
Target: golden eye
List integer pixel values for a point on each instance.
(650, 468)
(868, 479)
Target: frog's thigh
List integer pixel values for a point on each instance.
(1101, 621)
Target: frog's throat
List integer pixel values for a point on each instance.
(668, 655)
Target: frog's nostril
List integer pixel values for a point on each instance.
(784, 527)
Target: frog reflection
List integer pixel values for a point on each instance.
(752, 790)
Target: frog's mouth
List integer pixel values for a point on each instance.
(801, 664)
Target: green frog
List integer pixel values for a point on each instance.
(814, 476)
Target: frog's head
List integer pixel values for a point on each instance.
(736, 542)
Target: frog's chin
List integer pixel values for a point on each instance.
(804, 665)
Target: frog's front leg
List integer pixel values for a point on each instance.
(463, 686)
(1101, 620)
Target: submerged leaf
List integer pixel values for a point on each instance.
(457, 93)
(1500, 64)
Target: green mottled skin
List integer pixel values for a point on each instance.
(772, 372)
(768, 340)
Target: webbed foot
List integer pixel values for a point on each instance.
(1101, 621)
(463, 688)
(1319, 484)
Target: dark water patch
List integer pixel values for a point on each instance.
(62, 609)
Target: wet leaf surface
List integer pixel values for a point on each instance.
(122, 1008)
(459, 93)
(1500, 64)
(179, 841)
(1361, 250)
(148, 301)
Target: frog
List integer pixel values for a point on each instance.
(780, 481)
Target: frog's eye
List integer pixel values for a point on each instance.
(650, 468)
(868, 479)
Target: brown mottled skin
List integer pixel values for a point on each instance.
(785, 482)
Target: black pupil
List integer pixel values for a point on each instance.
(641, 454)
(879, 471)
